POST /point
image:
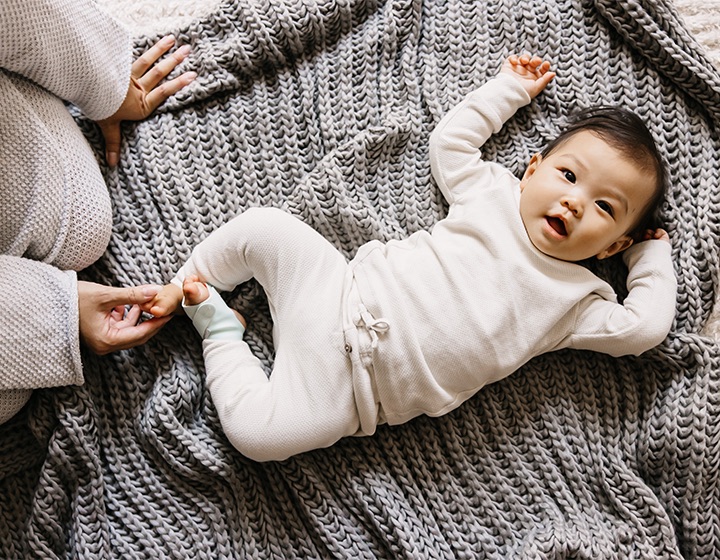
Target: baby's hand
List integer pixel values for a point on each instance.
(658, 233)
(531, 71)
(166, 301)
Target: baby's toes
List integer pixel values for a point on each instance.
(195, 293)
(161, 308)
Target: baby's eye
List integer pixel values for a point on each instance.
(569, 175)
(605, 207)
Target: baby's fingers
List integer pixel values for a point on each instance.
(545, 78)
(536, 65)
(531, 63)
(543, 67)
(658, 233)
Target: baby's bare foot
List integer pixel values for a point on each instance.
(167, 301)
(195, 292)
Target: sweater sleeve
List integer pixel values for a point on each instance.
(644, 319)
(69, 47)
(454, 144)
(39, 339)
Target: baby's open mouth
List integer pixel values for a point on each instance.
(558, 225)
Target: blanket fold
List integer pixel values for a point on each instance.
(656, 31)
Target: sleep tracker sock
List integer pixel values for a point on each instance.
(213, 319)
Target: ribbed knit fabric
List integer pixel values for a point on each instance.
(325, 109)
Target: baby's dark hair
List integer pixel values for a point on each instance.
(626, 132)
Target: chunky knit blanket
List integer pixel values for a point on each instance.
(324, 108)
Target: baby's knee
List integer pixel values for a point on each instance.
(271, 432)
(259, 443)
(267, 219)
(263, 215)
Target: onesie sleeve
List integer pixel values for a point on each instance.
(455, 157)
(644, 319)
(39, 339)
(69, 47)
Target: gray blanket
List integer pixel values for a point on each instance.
(324, 108)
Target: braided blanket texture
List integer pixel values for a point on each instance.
(324, 108)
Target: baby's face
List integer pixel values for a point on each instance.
(583, 199)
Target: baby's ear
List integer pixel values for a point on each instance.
(530, 169)
(616, 247)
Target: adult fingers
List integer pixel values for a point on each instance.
(159, 94)
(118, 313)
(129, 337)
(152, 77)
(133, 315)
(144, 331)
(130, 296)
(150, 56)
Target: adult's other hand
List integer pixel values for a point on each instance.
(146, 92)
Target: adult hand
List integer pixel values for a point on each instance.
(531, 71)
(105, 323)
(145, 93)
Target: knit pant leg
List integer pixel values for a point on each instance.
(308, 401)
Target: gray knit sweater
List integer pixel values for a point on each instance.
(55, 215)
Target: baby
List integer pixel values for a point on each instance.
(420, 325)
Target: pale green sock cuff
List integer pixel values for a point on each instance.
(213, 319)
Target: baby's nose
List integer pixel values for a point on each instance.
(572, 204)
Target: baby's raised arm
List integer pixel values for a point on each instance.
(455, 140)
(531, 71)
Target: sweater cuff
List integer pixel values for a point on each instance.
(40, 337)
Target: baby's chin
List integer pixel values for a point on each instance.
(560, 253)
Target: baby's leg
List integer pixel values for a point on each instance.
(308, 401)
(299, 408)
(263, 243)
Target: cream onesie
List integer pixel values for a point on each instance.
(415, 326)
